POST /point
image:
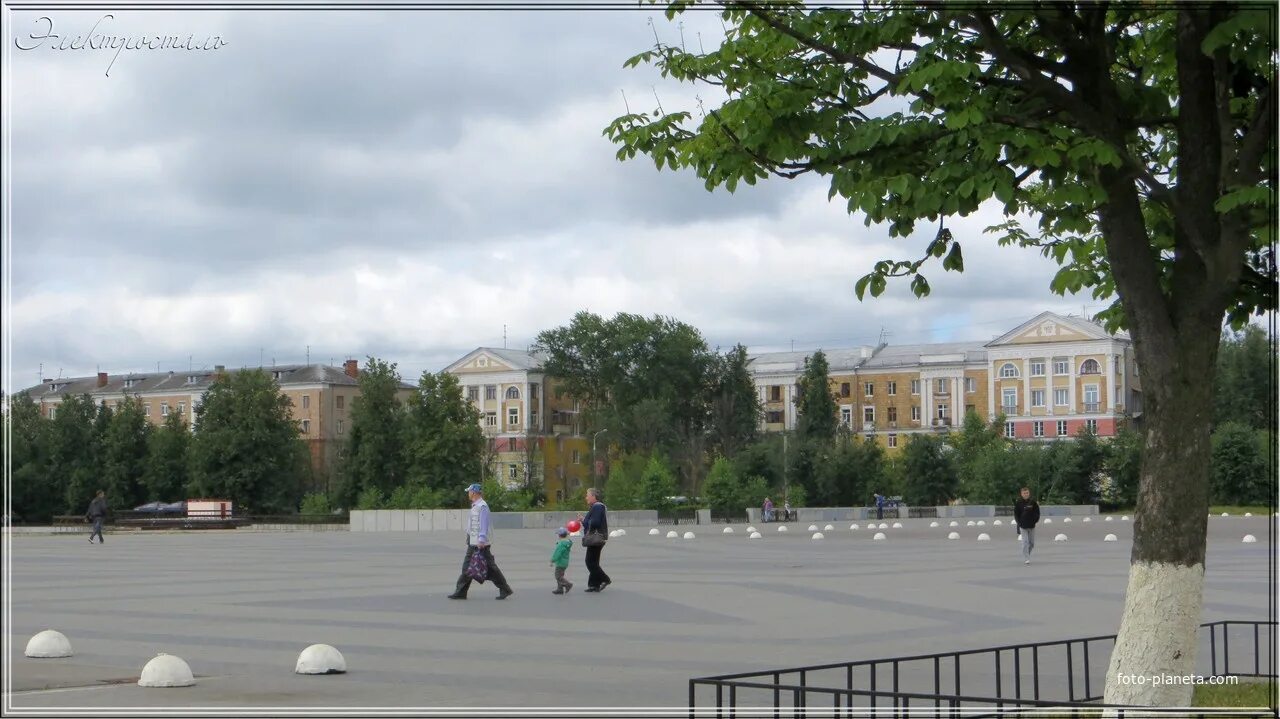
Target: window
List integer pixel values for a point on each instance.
(1089, 366)
(577, 457)
(844, 389)
(1037, 398)
(846, 416)
(775, 393)
(944, 410)
(915, 386)
(1008, 430)
(473, 394)
(164, 409)
(182, 408)
(191, 379)
(970, 384)
(1060, 398)
(491, 391)
(1037, 429)
(513, 472)
(1062, 428)
(869, 389)
(915, 413)
(511, 444)
(1061, 366)
(773, 416)
(127, 383)
(1009, 398)
(491, 419)
(52, 412)
(340, 401)
(146, 409)
(342, 426)
(306, 401)
(306, 426)
(1008, 370)
(513, 415)
(869, 415)
(869, 437)
(1037, 368)
(893, 414)
(893, 389)
(942, 386)
(533, 417)
(276, 375)
(533, 392)
(893, 440)
(1091, 425)
(513, 393)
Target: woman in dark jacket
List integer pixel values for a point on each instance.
(595, 521)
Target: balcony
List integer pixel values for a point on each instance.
(868, 426)
(941, 422)
(1092, 407)
(1010, 410)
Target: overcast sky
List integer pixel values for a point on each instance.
(403, 185)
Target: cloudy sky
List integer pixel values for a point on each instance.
(405, 184)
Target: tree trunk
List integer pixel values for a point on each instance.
(1158, 631)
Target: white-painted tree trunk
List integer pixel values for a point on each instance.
(1157, 638)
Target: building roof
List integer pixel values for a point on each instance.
(518, 359)
(910, 355)
(838, 360)
(138, 382)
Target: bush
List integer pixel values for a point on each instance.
(315, 503)
(370, 498)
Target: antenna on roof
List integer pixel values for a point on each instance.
(191, 362)
(259, 356)
(41, 373)
(308, 355)
(793, 345)
(504, 337)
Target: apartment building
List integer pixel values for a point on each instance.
(321, 398)
(533, 430)
(1049, 376)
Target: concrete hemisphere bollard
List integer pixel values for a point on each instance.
(933, 524)
(622, 532)
(1224, 514)
(984, 537)
(828, 528)
(879, 537)
(982, 523)
(1249, 539)
(166, 670)
(689, 535)
(853, 526)
(727, 530)
(1047, 520)
(754, 535)
(813, 527)
(953, 535)
(1110, 519)
(1124, 518)
(1109, 538)
(782, 528)
(1060, 538)
(320, 659)
(1066, 520)
(49, 644)
(970, 523)
(672, 534)
(818, 535)
(1248, 514)
(613, 533)
(654, 531)
(897, 525)
(954, 523)
(997, 523)
(750, 530)
(1086, 519)
(883, 525)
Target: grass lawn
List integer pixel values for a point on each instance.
(1239, 511)
(1244, 694)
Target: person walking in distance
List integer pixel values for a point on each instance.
(1026, 513)
(560, 560)
(768, 509)
(595, 522)
(479, 535)
(96, 513)
(879, 506)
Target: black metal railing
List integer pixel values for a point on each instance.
(1067, 673)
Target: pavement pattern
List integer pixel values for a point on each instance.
(240, 606)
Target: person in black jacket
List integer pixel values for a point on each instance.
(1026, 513)
(96, 512)
(595, 521)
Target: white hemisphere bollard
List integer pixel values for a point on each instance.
(897, 525)
(320, 659)
(1048, 521)
(818, 535)
(1249, 539)
(166, 670)
(1086, 519)
(1124, 518)
(654, 532)
(954, 523)
(1109, 538)
(984, 537)
(997, 523)
(728, 530)
(750, 530)
(672, 534)
(49, 644)
(970, 523)
(828, 528)
(783, 528)
(853, 526)
(813, 527)
(1110, 519)
(754, 535)
(1066, 520)
(933, 524)
(689, 535)
(1060, 538)
(953, 535)
(879, 537)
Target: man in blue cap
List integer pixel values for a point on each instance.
(479, 533)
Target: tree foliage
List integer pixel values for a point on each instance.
(36, 495)
(1245, 381)
(442, 438)
(1239, 473)
(375, 454)
(248, 448)
(735, 406)
(125, 453)
(74, 447)
(168, 470)
(816, 404)
(929, 471)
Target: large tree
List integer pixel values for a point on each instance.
(1245, 387)
(1133, 143)
(929, 471)
(816, 418)
(375, 456)
(168, 469)
(73, 452)
(735, 405)
(124, 454)
(443, 442)
(36, 496)
(247, 447)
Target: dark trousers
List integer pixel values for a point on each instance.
(879, 512)
(595, 575)
(97, 529)
(495, 574)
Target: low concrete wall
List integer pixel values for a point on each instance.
(957, 511)
(438, 520)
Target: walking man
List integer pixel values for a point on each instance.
(879, 506)
(97, 512)
(479, 534)
(1026, 513)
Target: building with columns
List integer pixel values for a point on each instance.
(1049, 377)
(533, 432)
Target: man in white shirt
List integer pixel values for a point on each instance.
(479, 532)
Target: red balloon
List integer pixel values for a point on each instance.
(573, 525)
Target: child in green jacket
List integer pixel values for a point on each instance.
(560, 560)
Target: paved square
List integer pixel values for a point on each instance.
(239, 607)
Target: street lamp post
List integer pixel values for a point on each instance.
(595, 476)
